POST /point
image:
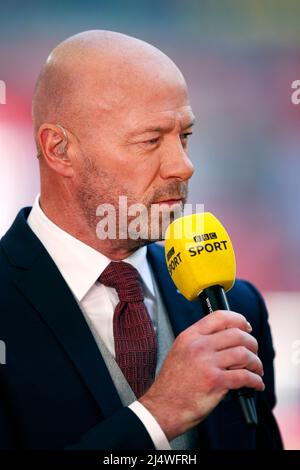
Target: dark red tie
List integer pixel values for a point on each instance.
(134, 335)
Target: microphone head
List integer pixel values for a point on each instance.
(199, 254)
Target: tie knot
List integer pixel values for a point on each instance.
(125, 279)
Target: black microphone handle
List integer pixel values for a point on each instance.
(214, 298)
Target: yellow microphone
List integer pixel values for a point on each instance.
(201, 262)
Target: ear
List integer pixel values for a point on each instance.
(56, 148)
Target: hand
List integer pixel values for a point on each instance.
(213, 356)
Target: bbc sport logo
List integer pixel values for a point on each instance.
(2, 92)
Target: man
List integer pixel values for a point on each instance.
(111, 118)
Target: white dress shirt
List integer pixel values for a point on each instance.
(80, 265)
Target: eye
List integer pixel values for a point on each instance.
(186, 135)
(152, 141)
(184, 138)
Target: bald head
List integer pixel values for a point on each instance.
(95, 71)
(112, 118)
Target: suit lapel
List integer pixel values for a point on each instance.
(39, 281)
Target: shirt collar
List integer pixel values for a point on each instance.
(80, 264)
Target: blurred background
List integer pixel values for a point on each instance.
(239, 59)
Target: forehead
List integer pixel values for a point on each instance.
(165, 106)
(139, 103)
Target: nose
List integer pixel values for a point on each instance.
(176, 164)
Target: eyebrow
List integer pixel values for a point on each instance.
(160, 128)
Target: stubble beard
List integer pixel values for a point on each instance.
(98, 187)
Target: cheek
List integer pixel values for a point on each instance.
(138, 174)
(142, 179)
(126, 170)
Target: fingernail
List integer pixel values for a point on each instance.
(249, 327)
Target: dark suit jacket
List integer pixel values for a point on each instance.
(55, 390)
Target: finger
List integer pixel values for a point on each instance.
(235, 379)
(239, 358)
(220, 320)
(232, 337)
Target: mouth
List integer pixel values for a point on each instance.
(170, 201)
